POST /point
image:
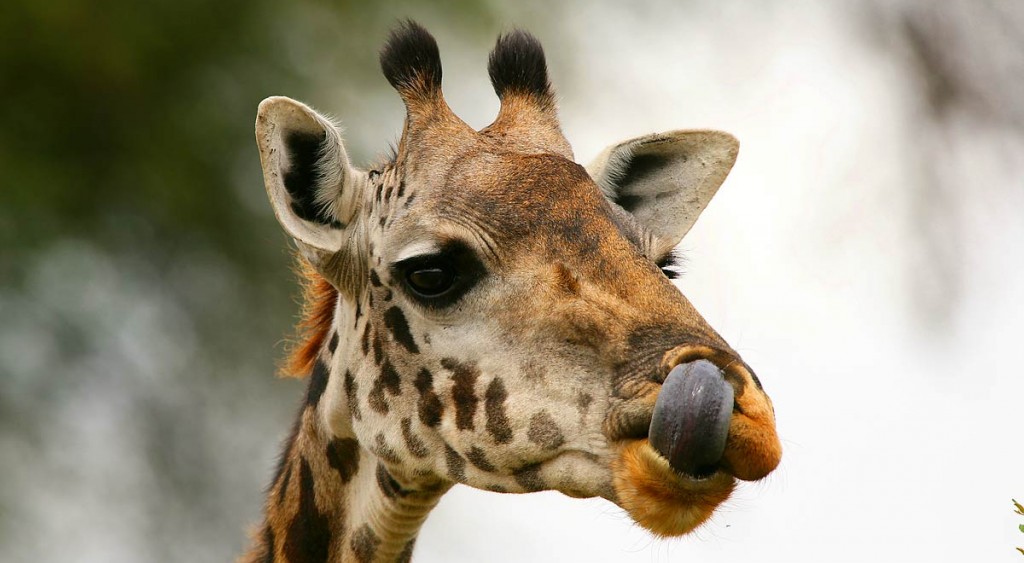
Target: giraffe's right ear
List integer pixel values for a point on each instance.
(313, 189)
(665, 180)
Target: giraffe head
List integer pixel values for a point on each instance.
(502, 316)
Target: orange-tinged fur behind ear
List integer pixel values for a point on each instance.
(661, 500)
(319, 299)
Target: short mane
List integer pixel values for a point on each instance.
(319, 300)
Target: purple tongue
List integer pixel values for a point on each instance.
(691, 418)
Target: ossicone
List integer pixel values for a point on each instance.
(517, 67)
(411, 62)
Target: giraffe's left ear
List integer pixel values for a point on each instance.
(665, 180)
(313, 189)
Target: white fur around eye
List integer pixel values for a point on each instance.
(417, 248)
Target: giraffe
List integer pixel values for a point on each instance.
(482, 310)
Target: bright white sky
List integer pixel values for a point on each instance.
(902, 440)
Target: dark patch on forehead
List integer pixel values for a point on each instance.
(333, 344)
(387, 483)
(494, 406)
(394, 319)
(317, 383)
(364, 544)
(456, 465)
(544, 431)
(343, 457)
(375, 279)
(541, 198)
(430, 407)
(463, 392)
(357, 315)
(477, 457)
(352, 396)
(529, 478)
(412, 441)
(309, 535)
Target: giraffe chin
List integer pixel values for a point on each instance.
(662, 500)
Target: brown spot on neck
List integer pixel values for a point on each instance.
(309, 535)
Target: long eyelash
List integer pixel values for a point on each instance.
(672, 264)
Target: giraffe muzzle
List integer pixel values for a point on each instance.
(691, 418)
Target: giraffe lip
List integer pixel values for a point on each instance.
(691, 418)
(659, 497)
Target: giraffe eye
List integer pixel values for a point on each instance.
(430, 280)
(439, 280)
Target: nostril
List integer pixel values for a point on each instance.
(691, 417)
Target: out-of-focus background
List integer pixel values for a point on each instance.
(865, 256)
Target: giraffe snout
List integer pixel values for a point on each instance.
(711, 423)
(691, 418)
(713, 414)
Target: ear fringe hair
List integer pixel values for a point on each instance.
(615, 169)
(330, 172)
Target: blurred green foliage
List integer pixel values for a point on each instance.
(130, 124)
(143, 278)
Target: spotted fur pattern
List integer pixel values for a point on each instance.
(537, 370)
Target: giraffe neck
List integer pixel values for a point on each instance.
(333, 499)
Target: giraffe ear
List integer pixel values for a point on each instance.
(665, 180)
(313, 189)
